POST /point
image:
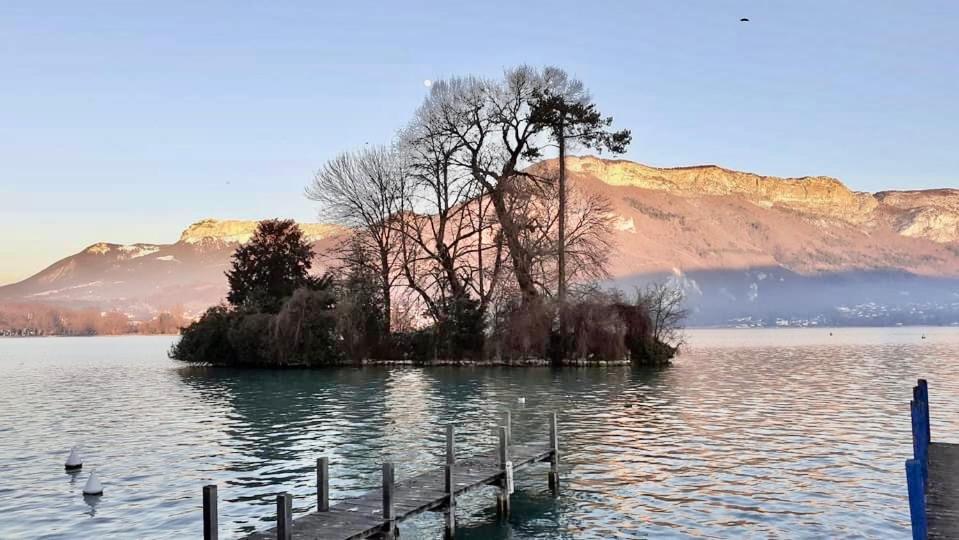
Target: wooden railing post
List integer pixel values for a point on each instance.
(450, 529)
(323, 484)
(917, 499)
(284, 516)
(502, 500)
(210, 527)
(389, 489)
(554, 458)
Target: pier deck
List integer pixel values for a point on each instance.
(377, 513)
(932, 476)
(942, 491)
(362, 517)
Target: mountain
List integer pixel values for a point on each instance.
(144, 279)
(747, 249)
(761, 250)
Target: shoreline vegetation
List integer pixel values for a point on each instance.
(465, 248)
(41, 320)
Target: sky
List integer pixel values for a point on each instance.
(127, 121)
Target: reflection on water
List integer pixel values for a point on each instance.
(750, 434)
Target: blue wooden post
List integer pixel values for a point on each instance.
(917, 499)
(920, 446)
(924, 399)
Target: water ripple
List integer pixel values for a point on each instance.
(751, 434)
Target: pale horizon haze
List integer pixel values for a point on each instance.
(125, 122)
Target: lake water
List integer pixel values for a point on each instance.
(751, 433)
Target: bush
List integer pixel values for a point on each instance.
(523, 332)
(303, 333)
(462, 333)
(207, 340)
(599, 326)
(249, 339)
(597, 331)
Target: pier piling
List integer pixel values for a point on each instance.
(450, 444)
(323, 484)
(284, 516)
(450, 529)
(210, 525)
(554, 460)
(389, 490)
(503, 498)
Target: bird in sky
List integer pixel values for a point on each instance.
(744, 19)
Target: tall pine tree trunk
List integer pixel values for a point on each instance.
(561, 263)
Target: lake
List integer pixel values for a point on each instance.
(751, 433)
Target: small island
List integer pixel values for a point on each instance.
(465, 247)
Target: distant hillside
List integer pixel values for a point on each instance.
(748, 249)
(145, 279)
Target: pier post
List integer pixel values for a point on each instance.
(924, 398)
(211, 529)
(554, 458)
(508, 423)
(450, 530)
(323, 484)
(284, 516)
(502, 500)
(450, 445)
(917, 499)
(450, 486)
(920, 445)
(389, 515)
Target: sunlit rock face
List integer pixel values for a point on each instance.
(815, 194)
(932, 214)
(239, 232)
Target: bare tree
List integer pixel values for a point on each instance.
(589, 240)
(494, 137)
(435, 207)
(667, 312)
(365, 190)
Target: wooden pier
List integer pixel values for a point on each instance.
(932, 476)
(377, 513)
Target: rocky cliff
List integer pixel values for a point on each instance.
(239, 232)
(930, 214)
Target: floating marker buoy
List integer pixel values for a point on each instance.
(74, 462)
(93, 486)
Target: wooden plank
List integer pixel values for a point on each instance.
(942, 491)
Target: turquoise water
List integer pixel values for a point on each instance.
(752, 433)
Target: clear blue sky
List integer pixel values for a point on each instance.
(126, 121)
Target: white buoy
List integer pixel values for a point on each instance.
(93, 486)
(74, 461)
(521, 400)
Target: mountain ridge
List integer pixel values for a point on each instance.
(727, 227)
